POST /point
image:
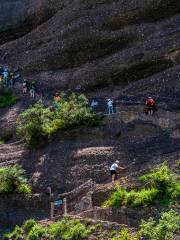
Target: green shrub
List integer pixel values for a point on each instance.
(33, 123)
(65, 229)
(125, 234)
(7, 98)
(28, 225)
(36, 233)
(122, 197)
(161, 177)
(17, 234)
(168, 225)
(12, 180)
(38, 121)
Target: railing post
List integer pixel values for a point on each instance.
(65, 207)
(52, 210)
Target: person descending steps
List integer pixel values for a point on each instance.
(150, 106)
(114, 169)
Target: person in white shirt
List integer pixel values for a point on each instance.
(110, 106)
(94, 105)
(114, 171)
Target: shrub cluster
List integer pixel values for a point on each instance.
(39, 121)
(12, 180)
(162, 185)
(7, 98)
(164, 229)
(65, 229)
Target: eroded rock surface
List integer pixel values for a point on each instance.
(86, 44)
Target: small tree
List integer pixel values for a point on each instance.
(33, 123)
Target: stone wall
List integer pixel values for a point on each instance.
(15, 209)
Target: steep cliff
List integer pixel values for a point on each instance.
(90, 43)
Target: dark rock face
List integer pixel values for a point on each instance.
(89, 44)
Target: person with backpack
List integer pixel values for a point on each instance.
(150, 106)
(110, 107)
(32, 89)
(114, 169)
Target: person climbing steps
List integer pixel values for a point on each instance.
(114, 169)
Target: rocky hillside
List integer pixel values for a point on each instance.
(90, 44)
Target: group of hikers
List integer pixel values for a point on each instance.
(8, 79)
(150, 106)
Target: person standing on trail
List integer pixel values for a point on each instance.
(94, 105)
(110, 106)
(25, 86)
(114, 171)
(32, 89)
(57, 100)
(6, 77)
(150, 105)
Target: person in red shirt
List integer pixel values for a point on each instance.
(150, 105)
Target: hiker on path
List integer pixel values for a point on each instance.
(32, 89)
(57, 100)
(12, 80)
(94, 105)
(6, 77)
(114, 169)
(25, 86)
(110, 106)
(150, 106)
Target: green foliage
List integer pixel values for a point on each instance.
(163, 186)
(28, 225)
(7, 99)
(12, 180)
(33, 123)
(65, 229)
(38, 121)
(160, 177)
(122, 197)
(125, 234)
(168, 225)
(17, 234)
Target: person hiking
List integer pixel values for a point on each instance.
(150, 106)
(110, 106)
(114, 171)
(56, 101)
(12, 80)
(6, 77)
(25, 86)
(94, 105)
(32, 89)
